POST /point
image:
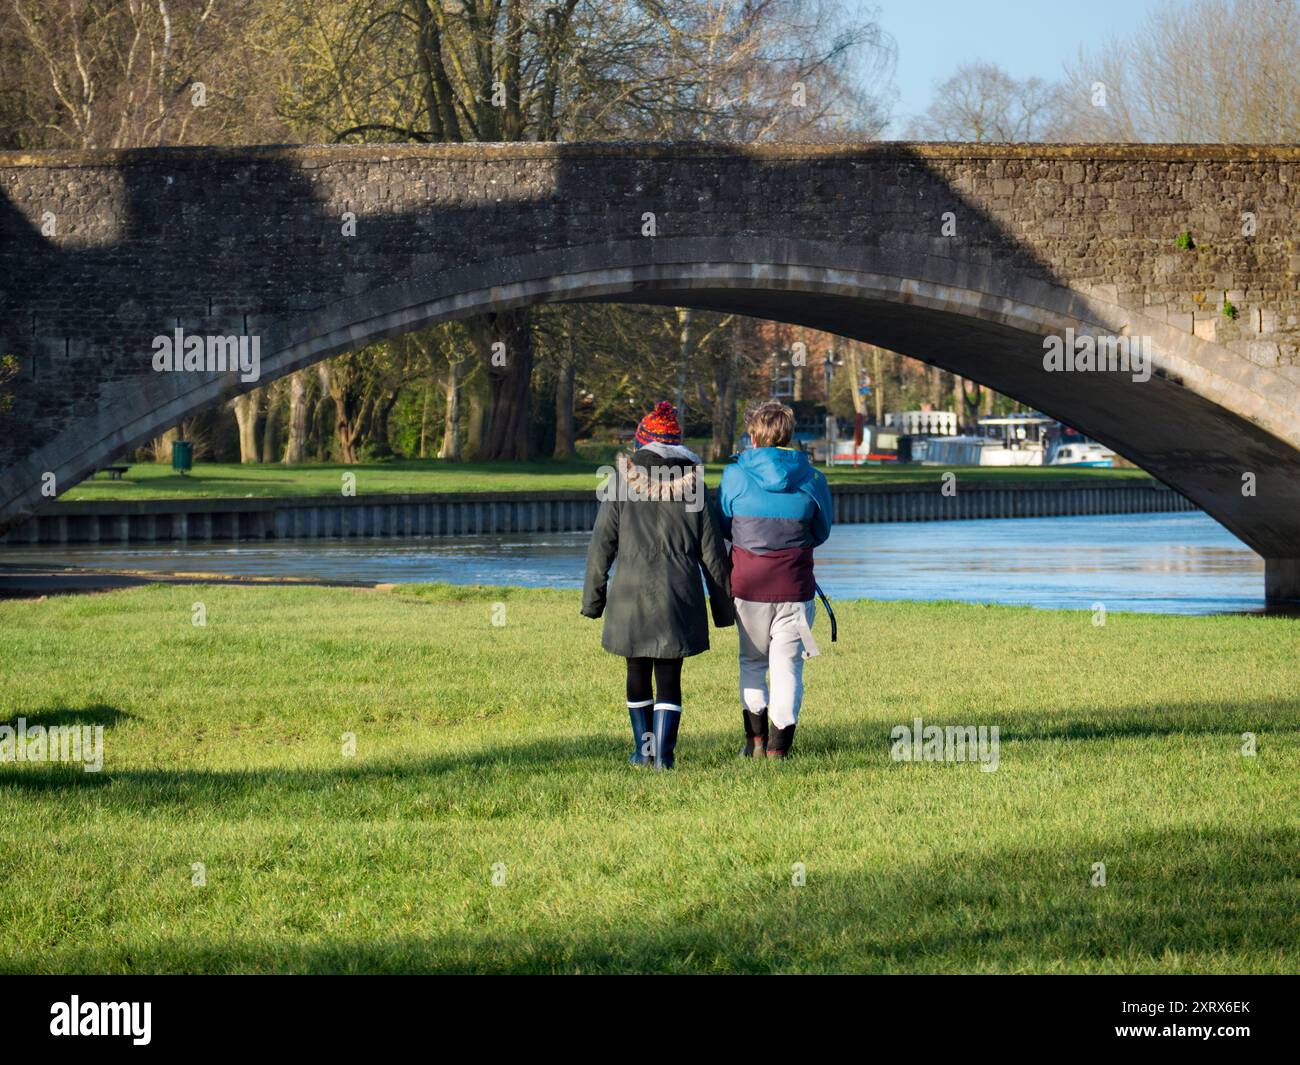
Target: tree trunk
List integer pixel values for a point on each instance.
(855, 379)
(935, 381)
(245, 408)
(295, 447)
(877, 385)
(564, 436)
(972, 399)
(271, 426)
(450, 449)
(506, 436)
(320, 430)
(723, 441)
(476, 431)
(379, 415)
(686, 344)
(345, 427)
(424, 421)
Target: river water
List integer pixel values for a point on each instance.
(1180, 563)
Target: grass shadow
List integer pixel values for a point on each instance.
(1193, 900)
(1187, 719)
(96, 714)
(864, 745)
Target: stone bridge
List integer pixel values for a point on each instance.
(965, 256)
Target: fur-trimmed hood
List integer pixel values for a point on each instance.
(667, 481)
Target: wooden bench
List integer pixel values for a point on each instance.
(114, 472)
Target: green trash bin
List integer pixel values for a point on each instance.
(182, 456)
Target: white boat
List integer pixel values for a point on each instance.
(1013, 440)
(1030, 439)
(1081, 453)
(978, 451)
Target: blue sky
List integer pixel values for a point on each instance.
(1024, 37)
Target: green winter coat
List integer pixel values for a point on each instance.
(654, 604)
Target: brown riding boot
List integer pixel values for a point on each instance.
(779, 742)
(755, 734)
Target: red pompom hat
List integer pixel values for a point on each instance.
(660, 426)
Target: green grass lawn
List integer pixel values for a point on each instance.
(154, 481)
(479, 744)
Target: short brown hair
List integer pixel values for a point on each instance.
(770, 424)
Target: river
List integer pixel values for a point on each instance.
(1180, 563)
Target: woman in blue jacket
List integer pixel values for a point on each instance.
(775, 509)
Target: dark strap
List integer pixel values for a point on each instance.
(829, 612)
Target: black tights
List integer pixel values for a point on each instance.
(667, 677)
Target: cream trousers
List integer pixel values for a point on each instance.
(775, 638)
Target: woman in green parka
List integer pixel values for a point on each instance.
(656, 520)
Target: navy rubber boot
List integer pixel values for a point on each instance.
(642, 734)
(666, 722)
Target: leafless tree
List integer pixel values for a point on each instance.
(509, 70)
(129, 73)
(1220, 71)
(982, 102)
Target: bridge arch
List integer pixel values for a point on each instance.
(846, 238)
(1187, 424)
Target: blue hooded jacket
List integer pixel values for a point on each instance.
(775, 509)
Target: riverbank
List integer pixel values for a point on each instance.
(939, 496)
(230, 831)
(37, 581)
